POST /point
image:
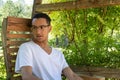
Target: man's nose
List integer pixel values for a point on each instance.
(38, 30)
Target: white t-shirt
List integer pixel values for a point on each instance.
(44, 66)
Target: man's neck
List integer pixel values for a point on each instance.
(44, 45)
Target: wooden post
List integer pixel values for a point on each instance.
(36, 2)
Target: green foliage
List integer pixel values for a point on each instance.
(11, 9)
(16, 9)
(94, 37)
(2, 69)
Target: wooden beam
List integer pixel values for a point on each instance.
(86, 77)
(36, 2)
(91, 71)
(71, 5)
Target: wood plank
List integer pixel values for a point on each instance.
(105, 72)
(11, 50)
(18, 27)
(12, 64)
(12, 72)
(86, 77)
(13, 57)
(17, 20)
(18, 36)
(19, 23)
(75, 5)
(15, 43)
(4, 25)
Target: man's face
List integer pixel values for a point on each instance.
(40, 29)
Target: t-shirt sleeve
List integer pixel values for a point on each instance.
(24, 57)
(64, 63)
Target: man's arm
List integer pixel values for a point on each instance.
(70, 74)
(26, 72)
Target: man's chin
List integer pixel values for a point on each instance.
(40, 40)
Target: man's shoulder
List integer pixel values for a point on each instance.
(57, 50)
(28, 43)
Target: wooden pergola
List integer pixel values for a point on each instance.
(76, 5)
(19, 24)
(72, 5)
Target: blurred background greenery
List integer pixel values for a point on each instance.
(87, 37)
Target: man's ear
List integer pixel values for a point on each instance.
(50, 28)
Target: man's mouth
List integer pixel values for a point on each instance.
(39, 36)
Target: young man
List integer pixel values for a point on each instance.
(36, 60)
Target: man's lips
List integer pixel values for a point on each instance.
(39, 36)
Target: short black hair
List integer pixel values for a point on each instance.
(42, 15)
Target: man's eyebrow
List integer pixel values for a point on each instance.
(33, 25)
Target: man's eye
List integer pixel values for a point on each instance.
(41, 27)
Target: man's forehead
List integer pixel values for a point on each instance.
(38, 19)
